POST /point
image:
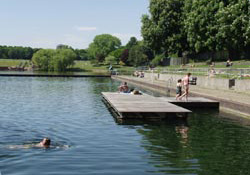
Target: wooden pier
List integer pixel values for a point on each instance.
(142, 106)
(193, 102)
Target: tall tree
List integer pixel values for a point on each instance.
(233, 25)
(201, 24)
(162, 30)
(132, 42)
(103, 45)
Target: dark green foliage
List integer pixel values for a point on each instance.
(198, 26)
(132, 42)
(137, 57)
(157, 60)
(82, 54)
(162, 31)
(54, 60)
(63, 46)
(15, 52)
(117, 54)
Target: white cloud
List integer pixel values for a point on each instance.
(86, 28)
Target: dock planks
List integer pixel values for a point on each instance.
(124, 103)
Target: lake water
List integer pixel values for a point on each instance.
(87, 140)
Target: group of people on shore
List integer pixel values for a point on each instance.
(139, 74)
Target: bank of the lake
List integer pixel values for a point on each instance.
(230, 101)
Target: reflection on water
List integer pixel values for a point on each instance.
(71, 112)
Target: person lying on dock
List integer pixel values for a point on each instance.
(136, 92)
(123, 88)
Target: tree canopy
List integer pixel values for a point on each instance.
(103, 45)
(197, 26)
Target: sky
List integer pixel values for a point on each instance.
(47, 23)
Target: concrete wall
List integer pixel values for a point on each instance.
(242, 85)
(202, 81)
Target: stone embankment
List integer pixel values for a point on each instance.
(232, 99)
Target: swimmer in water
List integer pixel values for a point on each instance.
(44, 143)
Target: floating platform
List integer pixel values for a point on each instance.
(193, 102)
(141, 106)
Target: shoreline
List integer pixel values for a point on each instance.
(227, 106)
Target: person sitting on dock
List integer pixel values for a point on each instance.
(178, 89)
(185, 81)
(124, 88)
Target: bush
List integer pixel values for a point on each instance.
(54, 60)
(110, 60)
(122, 63)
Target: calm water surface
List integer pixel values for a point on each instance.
(87, 140)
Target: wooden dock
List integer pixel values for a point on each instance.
(141, 106)
(193, 102)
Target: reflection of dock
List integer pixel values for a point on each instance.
(139, 106)
(193, 102)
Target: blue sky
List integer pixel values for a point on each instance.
(47, 23)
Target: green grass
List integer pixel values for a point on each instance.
(88, 67)
(10, 62)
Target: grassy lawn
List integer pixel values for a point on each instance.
(87, 66)
(10, 62)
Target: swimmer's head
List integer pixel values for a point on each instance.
(46, 142)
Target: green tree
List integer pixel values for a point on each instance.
(233, 24)
(137, 57)
(117, 54)
(63, 46)
(103, 45)
(63, 59)
(54, 60)
(82, 54)
(163, 29)
(201, 24)
(132, 42)
(42, 59)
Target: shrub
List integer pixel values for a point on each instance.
(54, 60)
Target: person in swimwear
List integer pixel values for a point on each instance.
(185, 82)
(45, 143)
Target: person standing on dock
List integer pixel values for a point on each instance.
(178, 89)
(185, 82)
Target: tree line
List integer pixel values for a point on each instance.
(16, 52)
